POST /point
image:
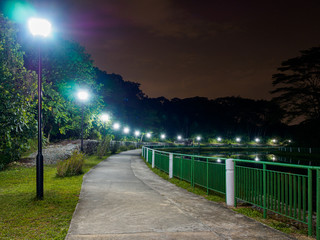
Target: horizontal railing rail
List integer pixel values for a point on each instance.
(290, 190)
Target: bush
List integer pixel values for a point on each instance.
(104, 146)
(71, 166)
(131, 147)
(123, 148)
(114, 148)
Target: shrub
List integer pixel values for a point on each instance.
(123, 148)
(71, 166)
(131, 147)
(104, 146)
(114, 147)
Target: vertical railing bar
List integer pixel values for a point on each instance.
(299, 198)
(207, 176)
(295, 196)
(304, 189)
(290, 195)
(309, 202)
(264, 191)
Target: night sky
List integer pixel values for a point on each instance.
(184, 48)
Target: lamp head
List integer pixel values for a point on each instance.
(39, 27)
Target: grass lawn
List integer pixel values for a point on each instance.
(24, 217)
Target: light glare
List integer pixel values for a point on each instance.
(163, 136)
(179, 137)
(105, 117)
(198, 138)
(126, 130)
(148, 135)
(39, 26)
(116, 126)
(83, 95)
(137, 133)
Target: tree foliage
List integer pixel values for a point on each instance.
(17, 93)
(298, 85)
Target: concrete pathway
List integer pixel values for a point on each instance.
(122, 199)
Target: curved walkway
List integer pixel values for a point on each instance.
(122, 199)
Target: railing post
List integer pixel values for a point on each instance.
(143, 155)
(230, 182)
(170, 165)
(309, 202)
(153, 158)
(147, 158)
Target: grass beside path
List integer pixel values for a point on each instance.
(24, 217)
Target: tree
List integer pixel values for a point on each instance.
(298, 85)
(17, 95)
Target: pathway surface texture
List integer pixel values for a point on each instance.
(122, 199)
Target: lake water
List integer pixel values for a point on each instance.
(250, 154)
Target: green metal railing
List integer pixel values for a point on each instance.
(286, 189)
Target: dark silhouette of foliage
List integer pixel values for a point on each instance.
(298, 85)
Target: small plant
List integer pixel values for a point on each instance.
(71, 166)
(114, 148)
(131, 147)
(123, 148)
(104, 146)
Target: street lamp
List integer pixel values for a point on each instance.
(105, 117)
(238, 139)
(163, 136)
(126, 130)
(257, 140)
(148, 135)
(198, 138)
(82, 96)
(179, 137)
(219, 139)
(116, 126)
(39, 27)
(137, 133)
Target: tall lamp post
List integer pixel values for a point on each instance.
(39, 27)
(82, 96)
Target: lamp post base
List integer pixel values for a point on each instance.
(39, 176)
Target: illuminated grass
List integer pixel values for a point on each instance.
(24, 217)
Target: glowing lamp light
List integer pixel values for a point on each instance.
(105, 117)
(116, 126)
(219, 160)
(39, 26)
(256, 158)
(289, 141)
(137, 133)
(126, 130)
(198, 138)
(257, 140)
(274, 140)
(148, 135)
(83, 95)
(219, 139)
(163, 136)
(179, 137)
(238, 139)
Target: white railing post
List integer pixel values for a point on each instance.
(147, 158)
(230, 182)
(152, 158)
(170, 165)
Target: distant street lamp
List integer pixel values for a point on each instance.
(163, 136)
(238, 139)
(257, 140)
(198, 138)
(116, 126)
(82, 96)
(219, 139)
(105, 117)
(126, 130)
(179, 137)
(137, 133)
(148, 135)
(42, 28)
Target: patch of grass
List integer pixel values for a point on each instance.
(282, 224)
(186, 185)
(22, 216)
